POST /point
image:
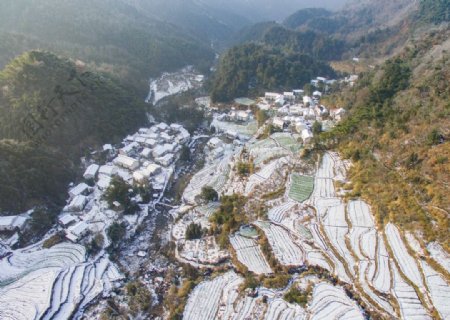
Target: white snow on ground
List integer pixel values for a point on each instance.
(26, 260)
(336, 229)
(52, 283)
(202, 251)
(359, 214)
(208, 296)
(382, 278)
(214, 174)
(329, 302)
(439, 290)
(280, 309)
(262, 175)
(407, 263)
(439, 255)
(173, 83)
(29, 297)
(410, 305)
(286, 251)
(249, 253)
(278, 213)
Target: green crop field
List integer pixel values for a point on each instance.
(301, 187)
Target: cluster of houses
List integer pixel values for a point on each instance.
(295, 111)
(145, 158)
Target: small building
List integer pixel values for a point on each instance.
(279, 123)
(338, 114)
(175, 126)
(307, 136)
(66, 220)
(12, 223)
(166, 160)
(289, 96)
(77, 231)
(162, 150)
(161, 127)
(91, 172)
(245, 102)
(108, 170)
(296, 110)
(129, 148)
(183, 136)
(103, 182)
(108, 147)
(146, 153)
(126, 162)
(80, 189)
(150, 143)
(166, 137)
(143, 130)
(298, 92)
(317, 94)
(77, 204)
(300, 126)
(307, 101)
(215, 143)
(243, 116)
(271, 96)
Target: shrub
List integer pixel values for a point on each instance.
(194, 231)
(209, 194)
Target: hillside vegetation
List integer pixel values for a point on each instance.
(110, 34)
(250, 69)
(56, 111)
(397, 135)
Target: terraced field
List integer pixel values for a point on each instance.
(301, 187)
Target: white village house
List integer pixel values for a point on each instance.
(80, 189)
(126, 162)
(11, 223)
(91, 172)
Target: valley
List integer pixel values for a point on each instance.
(190, 160)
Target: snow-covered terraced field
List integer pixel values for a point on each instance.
(439, 290)
(208, 296)
(331, 302)
(301, 187)
(214, 175)
(439, 255)
(57, 292)
(284, 248)
(30, 259)
(409, 302)
(249, 253)
(262, 175)
(278, 213)
(248, 129)
(407, 263)
(282, 310)
(336, 229)
(208, 209)
(287, 141)
(382, 277)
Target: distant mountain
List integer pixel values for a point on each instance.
(53, 110)
(305, 16)
(260, 10)
(212, 24)
(110, 34)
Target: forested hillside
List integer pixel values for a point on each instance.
(397, 134)
(109, 34)
(56, 111)
(250, 69)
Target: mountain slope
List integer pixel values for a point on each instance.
(397, 133)
(53, 108)
(111, 34)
